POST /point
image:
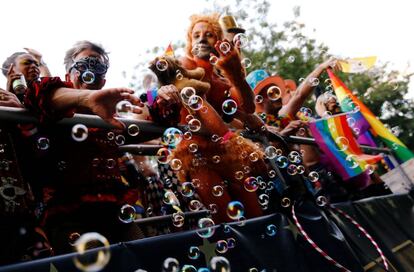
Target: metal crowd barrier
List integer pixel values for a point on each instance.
(18, 115)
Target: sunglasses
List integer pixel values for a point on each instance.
(90, 64)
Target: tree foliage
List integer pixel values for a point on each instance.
(285, 50)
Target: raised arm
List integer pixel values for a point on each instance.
(306, 88)
(101, 102)
(229, 64)
(52, 99)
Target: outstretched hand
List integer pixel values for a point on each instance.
(332, 63)
(103, 103)
(229, 62)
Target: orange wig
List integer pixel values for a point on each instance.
(212, 19)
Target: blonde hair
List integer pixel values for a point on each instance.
(320, 105)
(211, 19)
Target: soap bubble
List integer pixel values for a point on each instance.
(246, 63)
(88, 77)
(271, 230)
(221, 246)
(43, 143)
(162, 65)
(274, 93)
(285, 202)
(176, 164)
(188, 268)
(205, 227)
(194, 253)
(164, 155)
(235, 210)
(282, 162)
(254, 156)
(295, 157)
(95, 260)
(133, 130)
(369, 169)
(119, 139)
(231, 242)
(178, 219)
(271, 152)
(217, 191)
(127, 214)
(194, 125)
(195, 205)
(172, 137)
(193, 147)
(213, 60)
(186, 93)
(195, 102)
(124, 108)
(170, 198)
(187, 189)
(250, 184)
(219, 264)
(313, 176)
(314, 81)
(292, 169)
(352, 161)
(224, 47)
(321, 201)
(240, 40)
(79, 132)
(342, 143)
(170, 265)
(229, 107)
(258, 99)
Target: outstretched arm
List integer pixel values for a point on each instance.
(101, 102)
(229, 64)
(306, 88)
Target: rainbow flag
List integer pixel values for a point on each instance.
(350, 102)
(334, 137)
(169, 51)
(360, 126)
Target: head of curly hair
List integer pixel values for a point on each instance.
(167, 76)
(211, 19)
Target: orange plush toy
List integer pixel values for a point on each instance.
(219, 160)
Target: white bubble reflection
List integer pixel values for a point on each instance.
(79, 132)
(95, 260)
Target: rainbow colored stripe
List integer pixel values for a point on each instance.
(349, 102)
(334, 137)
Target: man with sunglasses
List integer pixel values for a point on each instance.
(86, 65)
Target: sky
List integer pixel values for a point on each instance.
(127, 28)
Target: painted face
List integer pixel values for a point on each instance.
(28, 66)
(203, 40)
(83, 66)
